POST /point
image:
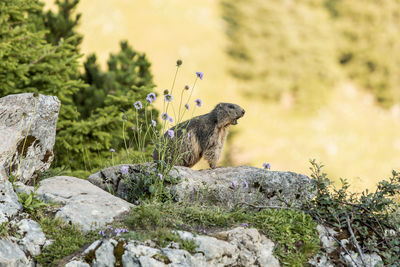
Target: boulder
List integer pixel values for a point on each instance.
(239, 247)
(27, 133)
(33, 237)
(11, 255)
(83, 203)
(222, 186)
(9, 204)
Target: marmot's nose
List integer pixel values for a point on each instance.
(243, 112)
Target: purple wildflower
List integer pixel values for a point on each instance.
(200, 74)
(168, 98)
(245, 184)
(187, 106)
(112, 150)
(170, 119)
(198, 102)
(188, 135)
(154, 123)
(234, 184)
(138, 105)
(101, 232)
(164, 116)
(160, 176)
(151, 97)
(245, 225)
(171, 133)
(124, 170)
(117, 231)
(137, 202)
(266, 166)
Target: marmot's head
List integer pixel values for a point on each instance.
(228, 113)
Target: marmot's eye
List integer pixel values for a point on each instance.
(231, 106)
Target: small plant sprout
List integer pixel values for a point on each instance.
(138, 105)
(266, 166)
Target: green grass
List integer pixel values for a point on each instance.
(67, 239)
(293, 232)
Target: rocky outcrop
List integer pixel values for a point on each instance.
(27, 133)
(9, 204)
(83, 203)
(330, 246)
(237, 247)
(11, 255)
(223, 186)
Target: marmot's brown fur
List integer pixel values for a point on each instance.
(202, 136)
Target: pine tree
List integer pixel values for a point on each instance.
(29, 63)
(39, 52)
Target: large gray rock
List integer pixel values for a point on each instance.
(223, 186)
(11, 255)
(84, 204)
(9, 204)
(27, 130)
(239, 247)
(33, 237)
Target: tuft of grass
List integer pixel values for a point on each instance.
(66, 238)
(293, 232)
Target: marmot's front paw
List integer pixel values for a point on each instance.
(213, 166)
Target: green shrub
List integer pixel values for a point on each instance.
(371, 216)
(293, 232)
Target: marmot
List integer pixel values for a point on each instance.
(201, 136)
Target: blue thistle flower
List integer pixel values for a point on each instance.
(198, 102)
(200, 74)
(151, 97)
(138, 105)
(234, 184)
(164, 116)
(124, 170)
(112, 150)
(266, 166)
(168, 98)
(170, 119)
(171, 133)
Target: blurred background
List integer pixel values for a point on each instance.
(319, 79)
